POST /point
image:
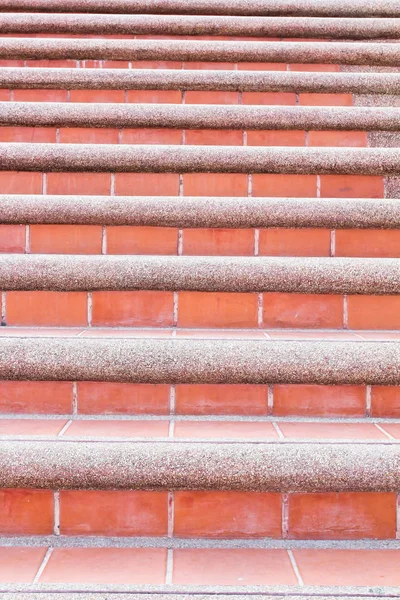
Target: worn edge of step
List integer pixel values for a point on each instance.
(136, 360)
(268, 467)
(322, 275)
(198, 159)
(348, 28)
(193, 116)
(211, 80)
(346, 53)
(356, 8)
(195, 212)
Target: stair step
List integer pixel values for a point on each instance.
(174, 79)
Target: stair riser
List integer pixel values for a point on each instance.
(211, 515)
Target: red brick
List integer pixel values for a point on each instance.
(299, 186)
(276, 137)
(156, 64)
(132, 309)
(214, 514)
(12, 238)
(218, 242)
(251, 66)
(116, 64)
(119, 513)
(151, 136)
(36, 397)
(156, 96)
(104, 398)
(215, 430)
(97, 96)
(52, 63)
(40, 95)
(303, 310)
(205, 399)
(79, 183)
(382, 243)
(351, 186)
(204, 97)
(295, 242)
(81, 135)
(65, 239)
(205, 66)
(374, 312)
(26, 512)
(310, 68)
(215, 184)
(326, 99)
(346, 516)
(20, 564)
(319, 400)
(142, 240)
(276, 98)
(28, 134)
(4, 95)
(60, 309)
(214, 137)
(385, 401)
(338, 138)
(217, 309)
(20, 182)
(147, 184)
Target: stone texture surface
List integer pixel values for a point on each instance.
(299, 52)
(198, 159)
(175, 211)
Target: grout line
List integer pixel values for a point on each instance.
(171, 511)
(89, 308)
(368, 400)
(181, 188)
(171, 428)
(74, 398)
(345, 312)
(333, 243)
(56, 505)
(27, 239)
(278, 430)
(183, 98)
(256, 242)
(260, 310)
(103, 240)
(285, 516)
(244, 138)
(318, 186)
(270, 400)
(119, 136)
(183, 137)
(44, 183)
(170, 564)
(295, 567)
(126, 91)
(180, 242)
(57, 135)
(68, 96)
(306, 138)
(250, 185)
(3, 308)
(384, 432)
(175, 309)
(64, 429)
(112, 184)
(43, 565)
(172, 399)
(240, 98)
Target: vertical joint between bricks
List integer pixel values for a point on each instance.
(3, 308)
(345, 312)
(27, 239)
(56, 528)
(368, 400)
(171, 509)
(318, 186)
(172, 399)
(74, 398)
(285, 516)
(333, 243)
(270, 400)
(89, 308)
(260, 310)
(169, 568)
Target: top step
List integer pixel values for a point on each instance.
(353, 8)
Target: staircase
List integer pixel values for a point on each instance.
(200, 299)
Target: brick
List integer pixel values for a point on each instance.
(119, 513)
(79, 183)
(298, 186)
(303, 310)
(325, 99)
(294, 242)
(385, 401)
(155, 96)
(352, 186)
(151, 136)
(310, 68)
(346, 516)
(147, 184)
(20, 564)
(217, 309)
(204, 97)
(26, 512)
(218, 242)
(205, 66)
(319, 400)
(65, 239)
(4, 95)
(357, 139)
(206, 399)
(104, 398)
(380, 243)
(97, 96)
(20, 182)
(81, 135)
(250, 66)
(275, 137)
(118, 428)
(214, 514)
(276, 98)
(36, 397)
(214, 137)
(217, 430)
(40, 95)
(28, 134)
(373, 312)
(156, 64)
(132, 309)
(12, 238)
(215, 184)
(62, 309)
(321, 430)
(116, 64)
(52, 63)
(142, 240)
